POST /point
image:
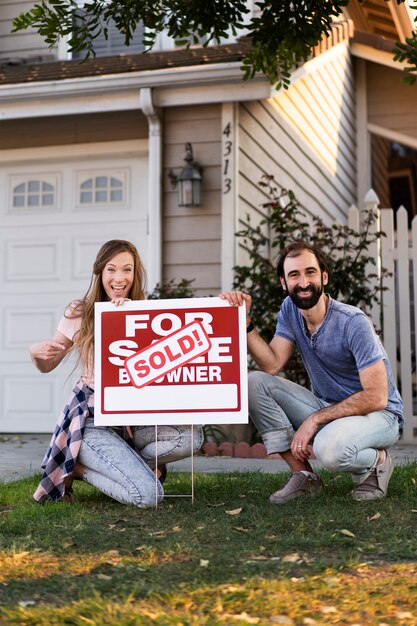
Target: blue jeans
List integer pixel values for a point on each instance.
(278, 407)
(125, 474)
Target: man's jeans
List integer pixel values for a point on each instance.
(126, 474)
(349, 444)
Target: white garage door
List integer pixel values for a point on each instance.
(58, 206)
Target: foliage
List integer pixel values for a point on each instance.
(229, 557)
(172, 289)
(282, 34)
(407, 52)
(346, 251)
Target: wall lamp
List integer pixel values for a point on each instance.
(188, 181)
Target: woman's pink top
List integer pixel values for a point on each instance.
(69, 326)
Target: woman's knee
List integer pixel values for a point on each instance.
(146, 500)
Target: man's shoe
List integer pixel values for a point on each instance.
(298, 486)
(376, 485)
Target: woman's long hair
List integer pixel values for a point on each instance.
(84, 308)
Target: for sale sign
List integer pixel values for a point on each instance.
(170, 362)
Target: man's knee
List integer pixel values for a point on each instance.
(332, 457)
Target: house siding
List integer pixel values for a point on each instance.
(192, 235)
(392, 104)
(24, 44)
(306, 138)
(72, 129)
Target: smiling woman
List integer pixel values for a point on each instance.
(119, 462)
(117, 276)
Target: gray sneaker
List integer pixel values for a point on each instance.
(376, 485)
(298, 486)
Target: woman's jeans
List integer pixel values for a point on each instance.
(126, 474)
(278, 407)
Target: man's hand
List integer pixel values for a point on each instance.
(237, 298)
(303, 437)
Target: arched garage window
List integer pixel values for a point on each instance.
(101, 190)
(34, 193)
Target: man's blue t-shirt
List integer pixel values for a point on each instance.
(343, 345)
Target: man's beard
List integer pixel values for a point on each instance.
(306, 302)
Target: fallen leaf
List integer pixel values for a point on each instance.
(282, 619)
(328, 609)
(158, 533)
(219, 504)
(20, 555)
(25, 603)
(347, 533)
(204, 562)
(374, 517)
(176, 529)
(103, 577)
(294, 557)
(118, 530)
(241, 529)
(403, 615)
(234, 511)
(230, 589)
(244, 616)
(259, 557)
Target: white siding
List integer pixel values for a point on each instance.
(24, 44)
(305, 137)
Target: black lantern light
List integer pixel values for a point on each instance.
(188, 181)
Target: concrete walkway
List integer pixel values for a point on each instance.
(21, 455)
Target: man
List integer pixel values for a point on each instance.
(353, 412)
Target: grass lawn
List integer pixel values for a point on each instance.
(230, 558)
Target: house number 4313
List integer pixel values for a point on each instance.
(227, 158)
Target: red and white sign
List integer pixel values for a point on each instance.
(170, 362)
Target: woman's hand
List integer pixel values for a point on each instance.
(120, 301)
(47, 350)
(46, 355)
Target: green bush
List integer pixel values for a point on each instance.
(345, 249)
(171, 290)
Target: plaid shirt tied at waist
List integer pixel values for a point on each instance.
(65, 444)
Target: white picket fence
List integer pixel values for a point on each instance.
(397, 252)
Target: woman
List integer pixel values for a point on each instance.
(117, 461)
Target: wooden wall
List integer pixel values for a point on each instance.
(25, 43)
(380, 154)
(192, 236)
(306, 138)
(391, 103)
(73, 129)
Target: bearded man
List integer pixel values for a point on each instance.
(353, 411)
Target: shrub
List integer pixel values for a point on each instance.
(171, 290)
(345, 249)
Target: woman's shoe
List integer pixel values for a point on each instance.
(163, 470)
(69, 496)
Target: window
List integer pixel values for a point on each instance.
(33, 194)
(101, 190)
(115, 43)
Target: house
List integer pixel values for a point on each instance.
(85, 152)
